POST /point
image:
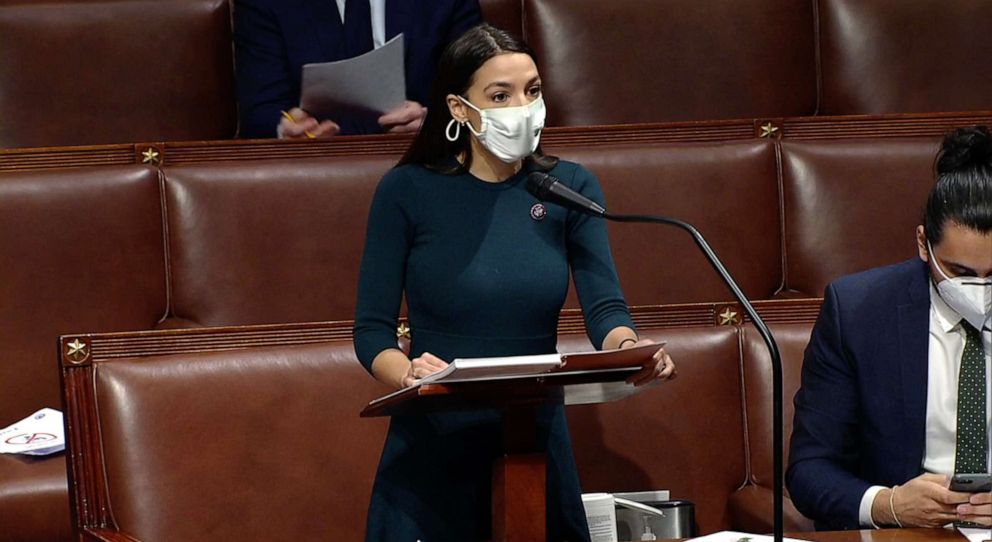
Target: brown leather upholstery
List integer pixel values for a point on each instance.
(504, 14)
(34, 506)
(265, 442)
(898, 56)
(791, 340)
(229, 446)
(269, 242)
(851, 205)
(627, 61)
(757, 373)
(727, 190)
(685, 435)
(280, 241)
(82, 249)
(234, 263)
(155, 70)
(75, 73)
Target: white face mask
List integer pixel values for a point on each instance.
(510, 133)
(971, 297)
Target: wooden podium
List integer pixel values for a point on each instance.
(521, 471)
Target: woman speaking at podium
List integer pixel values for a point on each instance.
(484, 267)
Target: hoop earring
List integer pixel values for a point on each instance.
(458, 130)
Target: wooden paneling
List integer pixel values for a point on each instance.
(798, 128)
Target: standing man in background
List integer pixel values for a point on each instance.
(894, 396)
(274, 38)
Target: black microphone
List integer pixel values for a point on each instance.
(548, 188)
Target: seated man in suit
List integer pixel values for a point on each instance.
(895, 382)
(273, 39)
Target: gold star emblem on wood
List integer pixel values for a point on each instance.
(768, 130)
(403, 331)
(729, 317)
(76, 351)
(150, 156)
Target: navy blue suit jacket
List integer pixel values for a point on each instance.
(274, 38)
(861, 408)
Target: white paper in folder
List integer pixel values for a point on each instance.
(366, 85)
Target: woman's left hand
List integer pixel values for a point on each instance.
(663, 367)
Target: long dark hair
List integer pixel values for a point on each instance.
(963, 191)
(455, 74)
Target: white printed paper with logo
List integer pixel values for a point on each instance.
(41, 433)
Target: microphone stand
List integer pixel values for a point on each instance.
(776, 357)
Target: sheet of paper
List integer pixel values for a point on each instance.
(551, 365)
(734, 536)
(463, 370)
(41, 433)
(364, 86)
(976, 535)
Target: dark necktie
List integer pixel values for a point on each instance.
(357, 27)
(972, 452)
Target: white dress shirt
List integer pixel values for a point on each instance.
(947, 340)
(378, 8)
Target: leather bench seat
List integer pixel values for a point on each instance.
(161, 70)
(851, 205)
(236, 446)
(630, 61)
(34, 501)
(266, 442)
(752, 505)
(105, 71)
(729, 191)
(134, 247)
(80, 248)
(271, 241)
(903, 56)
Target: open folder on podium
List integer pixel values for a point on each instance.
(585, 377)
(518, 386)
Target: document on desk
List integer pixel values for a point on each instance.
(364, 86)
(734, 536)
(41, 433)
(976, 534)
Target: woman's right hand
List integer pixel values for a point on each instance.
(422, 366)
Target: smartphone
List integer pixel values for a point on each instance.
(972, 483)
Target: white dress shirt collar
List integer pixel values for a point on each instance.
(943, 315)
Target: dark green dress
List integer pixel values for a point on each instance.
(484, 267)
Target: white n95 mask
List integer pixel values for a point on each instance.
(970, 297)
(510, 133)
